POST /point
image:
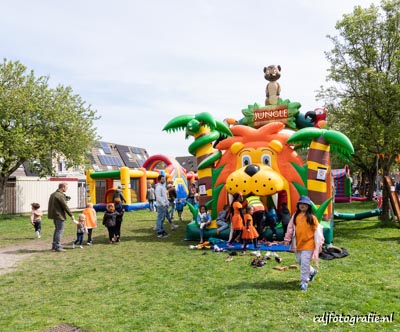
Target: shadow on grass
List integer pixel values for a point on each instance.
(361, 231)
(151, 237)
(15, 239)
(146, 235)
(389, 239)
(364, 232)
(291, 285)
(25, 251)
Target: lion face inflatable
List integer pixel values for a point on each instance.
(259, 162)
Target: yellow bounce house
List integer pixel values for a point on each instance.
(133, 185)
(134, 182)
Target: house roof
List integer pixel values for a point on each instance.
(109, 156)
(106, 156)
(188, 162)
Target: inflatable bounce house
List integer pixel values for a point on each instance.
(256, 156)
(343, 186)
(134, 182)
(341, 178)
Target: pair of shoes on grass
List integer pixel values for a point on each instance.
(257, 262)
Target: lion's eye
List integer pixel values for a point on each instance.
(266, 159)
(246, 160)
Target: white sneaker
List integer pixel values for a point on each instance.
(81, 247)
(173, 227)
(73, 245)
(256, 253)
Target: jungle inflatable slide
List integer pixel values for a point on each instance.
(258, 155)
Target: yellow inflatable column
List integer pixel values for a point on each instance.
(126, 184)
(90, 188)
(143, 186)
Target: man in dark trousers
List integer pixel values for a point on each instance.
(57, 211)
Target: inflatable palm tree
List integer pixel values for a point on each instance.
(320, 142)
(205, 130)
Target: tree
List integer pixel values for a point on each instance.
(364, 102)
(39, 124)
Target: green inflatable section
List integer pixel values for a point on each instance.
(328, 231)
(358, 216)
(193, 232)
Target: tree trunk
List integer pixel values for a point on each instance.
(385, 216)
(3, 183)
(385, 205)
(362, 189)
(371, 185)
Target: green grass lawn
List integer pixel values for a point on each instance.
(150, 284)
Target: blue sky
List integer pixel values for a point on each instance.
(141, 63)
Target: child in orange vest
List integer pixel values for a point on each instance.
(304, 225)
(91, 221)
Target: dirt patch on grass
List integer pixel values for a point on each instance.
(64, 328)
(12, 254)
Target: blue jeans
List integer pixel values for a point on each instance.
(151, 205)
(58, 232)
(171, 210)
(222, 225)
(79, 238)
(161, 214)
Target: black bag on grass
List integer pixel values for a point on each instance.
(332, 252)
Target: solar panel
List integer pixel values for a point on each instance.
(110, 161)
(105, 147)
(136, 150)
(102, 159)
(117, 161)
